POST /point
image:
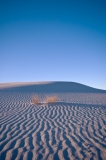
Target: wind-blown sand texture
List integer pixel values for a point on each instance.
(72, 129)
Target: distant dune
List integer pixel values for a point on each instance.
(73, 128)
(50, 87)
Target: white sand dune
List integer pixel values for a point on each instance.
(73, 128)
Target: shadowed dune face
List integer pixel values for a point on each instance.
(73, 128)
(50, 87)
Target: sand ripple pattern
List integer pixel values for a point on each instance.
(60, 131)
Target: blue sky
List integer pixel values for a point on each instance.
(59, 40)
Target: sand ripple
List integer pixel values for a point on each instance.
(56, 131)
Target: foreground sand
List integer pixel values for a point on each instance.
(72, 129)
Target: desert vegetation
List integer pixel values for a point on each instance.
(51, 99)
(35, 99)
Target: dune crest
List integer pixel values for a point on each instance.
(49, 87)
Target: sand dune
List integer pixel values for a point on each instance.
(73, 128)
(49, 87)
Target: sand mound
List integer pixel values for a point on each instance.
(49, 87)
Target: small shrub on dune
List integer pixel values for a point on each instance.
(51, 99)
(35, 100)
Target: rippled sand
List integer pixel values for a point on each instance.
(74, 128)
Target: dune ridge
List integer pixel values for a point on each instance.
(73, 128)
(49, 87)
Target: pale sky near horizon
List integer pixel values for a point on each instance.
(57, 40)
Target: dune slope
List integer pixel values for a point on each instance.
(50, 87)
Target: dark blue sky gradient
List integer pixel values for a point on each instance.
(59, 40)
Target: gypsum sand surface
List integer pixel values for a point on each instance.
(73, 128)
